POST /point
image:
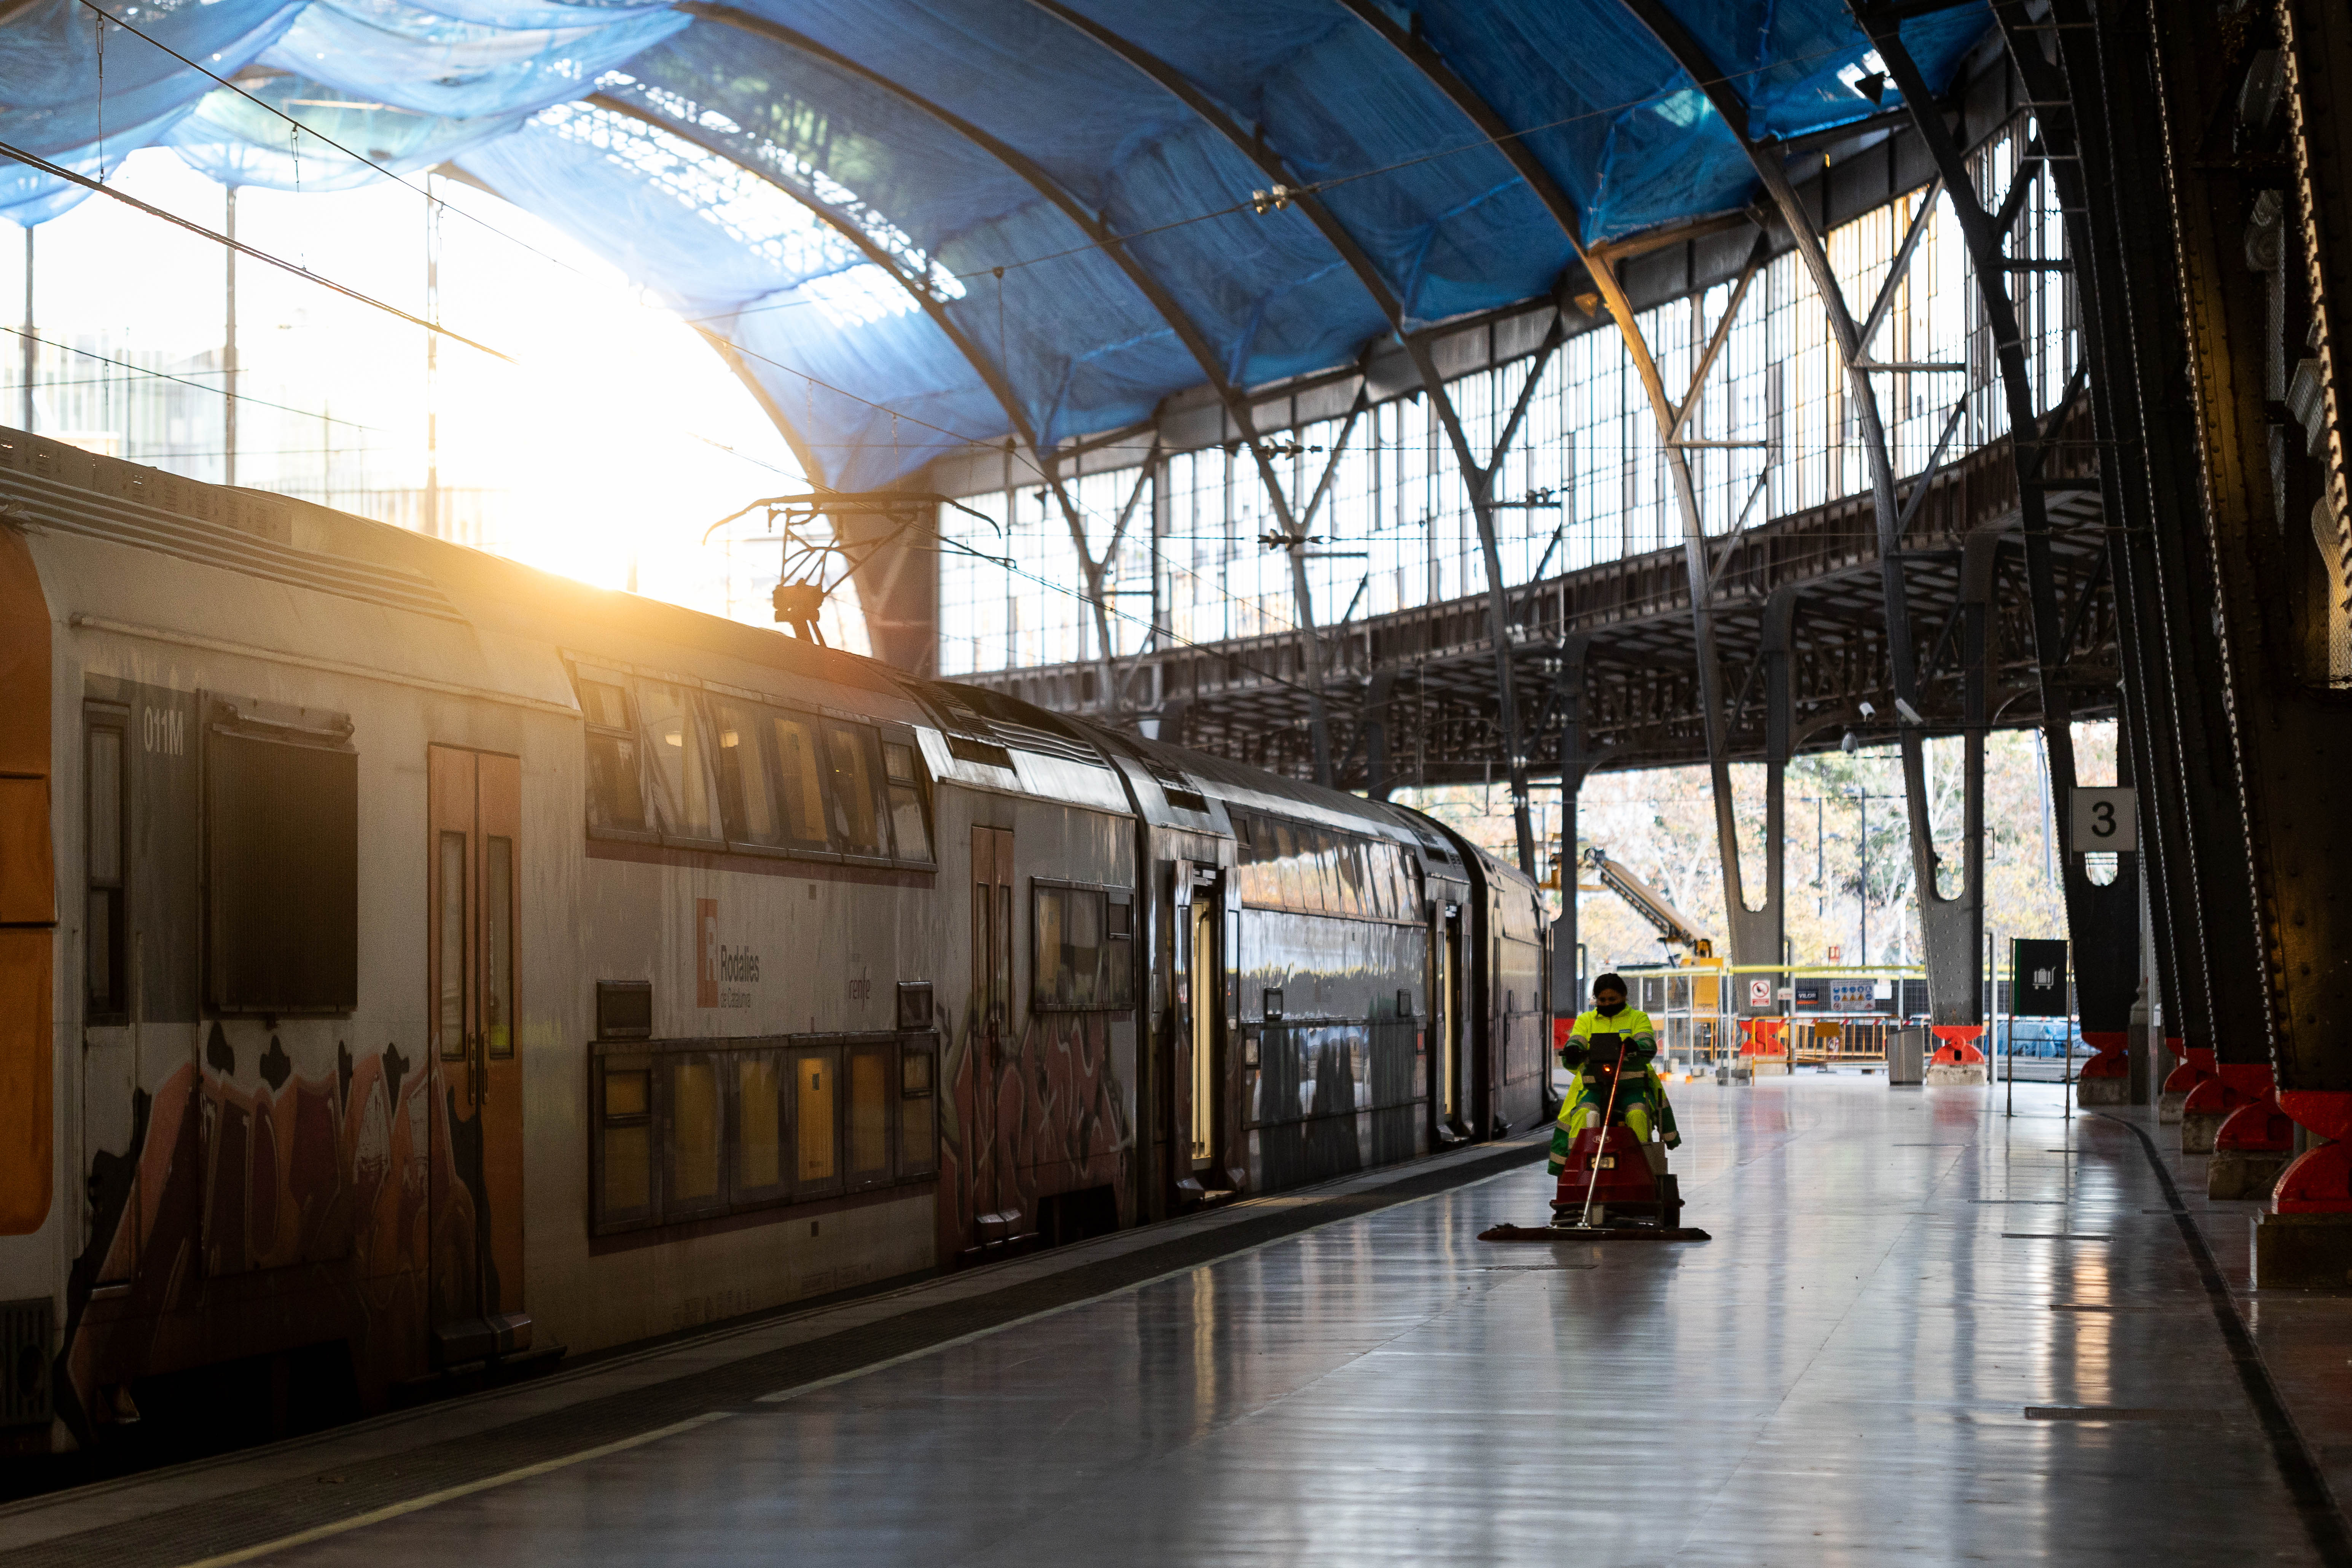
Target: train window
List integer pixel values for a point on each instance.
(800, 783)
(816, 1164)
(689, 1129)
(102, 937)
(747, 793)
(1118, 952)
(1379, 901)
(498, 945)
(1289, 881)
(449, 935)
(1349, 858)
(625, 1144)
(858, 809)
(759, 1126)
(281, 856)
(1326, 874)
(1048, 908)
(869, 1119)
(695, 1125)
(1083, 948)
(681, 773)
(919, 1143)
(907, 824)
(615, 798)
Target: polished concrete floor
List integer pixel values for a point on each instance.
(1922, 1332)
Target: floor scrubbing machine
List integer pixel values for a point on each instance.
(1614, 1186)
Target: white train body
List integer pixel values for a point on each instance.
(412, 964)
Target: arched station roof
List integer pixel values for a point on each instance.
(1103, 153)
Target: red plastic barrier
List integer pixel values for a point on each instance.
(2319, 1182)
(2233, 1084)
(1959, 1046)
(2107, 1059)
(2196, 1065)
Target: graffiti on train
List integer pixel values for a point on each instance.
(1027, 1119)
(345, 1176)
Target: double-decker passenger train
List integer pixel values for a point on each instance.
(411, 961)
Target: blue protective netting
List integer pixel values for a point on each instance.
(872, 120)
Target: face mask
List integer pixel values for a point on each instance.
(1610, 1009)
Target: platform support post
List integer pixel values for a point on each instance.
(1756, 933)
(1575, 762)
(2262, 327)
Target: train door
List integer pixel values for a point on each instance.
(991, 1000)
(473, 900)
(1445, 992)
(1200, 1073)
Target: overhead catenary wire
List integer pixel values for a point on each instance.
(73, 176)
(166, 376)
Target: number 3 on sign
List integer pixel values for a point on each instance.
(2106, 819)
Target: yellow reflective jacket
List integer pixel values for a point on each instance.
(1640, 1038)
(1633, 1024)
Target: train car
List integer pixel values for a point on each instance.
(414, 966)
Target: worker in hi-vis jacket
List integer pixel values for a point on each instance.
(1641, 1096)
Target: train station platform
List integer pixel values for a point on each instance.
(1922, 1331)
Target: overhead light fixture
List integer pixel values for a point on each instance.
(1867, 710)
(1849, 743)
(1909, 712)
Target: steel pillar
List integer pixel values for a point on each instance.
(1575, 762)
(2271, 487)
(1757, 935)
(1955, 988)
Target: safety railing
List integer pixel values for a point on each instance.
(1695, 1007)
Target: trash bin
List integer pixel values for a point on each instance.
(1906, 1057)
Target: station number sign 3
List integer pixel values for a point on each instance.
(2107, 820)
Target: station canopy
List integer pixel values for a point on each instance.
(834, 186)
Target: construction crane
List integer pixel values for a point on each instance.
(1674, 928)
